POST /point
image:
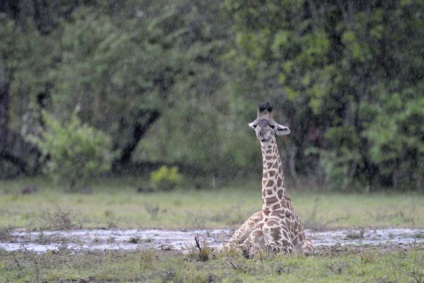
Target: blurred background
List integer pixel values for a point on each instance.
(92, 88)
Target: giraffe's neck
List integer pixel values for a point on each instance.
(274, 195)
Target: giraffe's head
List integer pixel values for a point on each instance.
(265, 127)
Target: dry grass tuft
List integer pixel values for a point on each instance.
(60, 219)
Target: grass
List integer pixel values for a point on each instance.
(117, 204)
(154, 266)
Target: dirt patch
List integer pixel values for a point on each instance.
(178, 241)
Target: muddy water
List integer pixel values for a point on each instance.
(181, 240)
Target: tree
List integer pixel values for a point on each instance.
(333, 66)
(125, 65)
(176, 82)
(73, 153)
(126, 71)
(17, 155)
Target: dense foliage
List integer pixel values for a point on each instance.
(176, 82)
(72, 153)
(350, 76)
(165, 178)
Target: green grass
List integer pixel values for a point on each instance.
(152, 266)
(117, 204)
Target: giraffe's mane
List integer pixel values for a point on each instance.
(265, 106)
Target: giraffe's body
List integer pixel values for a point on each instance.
(276, 228)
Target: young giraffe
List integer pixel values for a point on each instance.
(275, 228)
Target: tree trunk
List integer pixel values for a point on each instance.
(4, 103)
(137, 132)
(13, 148)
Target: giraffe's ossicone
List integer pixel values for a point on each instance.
(276, 228)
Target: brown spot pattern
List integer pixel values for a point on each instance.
(270, 183)
(279, 182)
(280, 194)
(278, 223)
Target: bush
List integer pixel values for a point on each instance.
(73, 153)
(165, 178)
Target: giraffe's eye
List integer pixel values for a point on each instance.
(254, 126)
(272, 126)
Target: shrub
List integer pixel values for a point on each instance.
(165, 178)
(72, 152)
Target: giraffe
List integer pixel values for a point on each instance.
(276, 228)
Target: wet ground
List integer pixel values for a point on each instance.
(79, 240)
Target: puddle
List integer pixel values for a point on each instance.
(79, 240)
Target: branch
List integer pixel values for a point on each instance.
(196, 239)
(138, 131)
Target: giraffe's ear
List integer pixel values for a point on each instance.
(252, 125)
(281, 130)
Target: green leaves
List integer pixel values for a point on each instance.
(72, 152)
(349, 75)
(354, 48)
(165, 178)
(396, 136)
